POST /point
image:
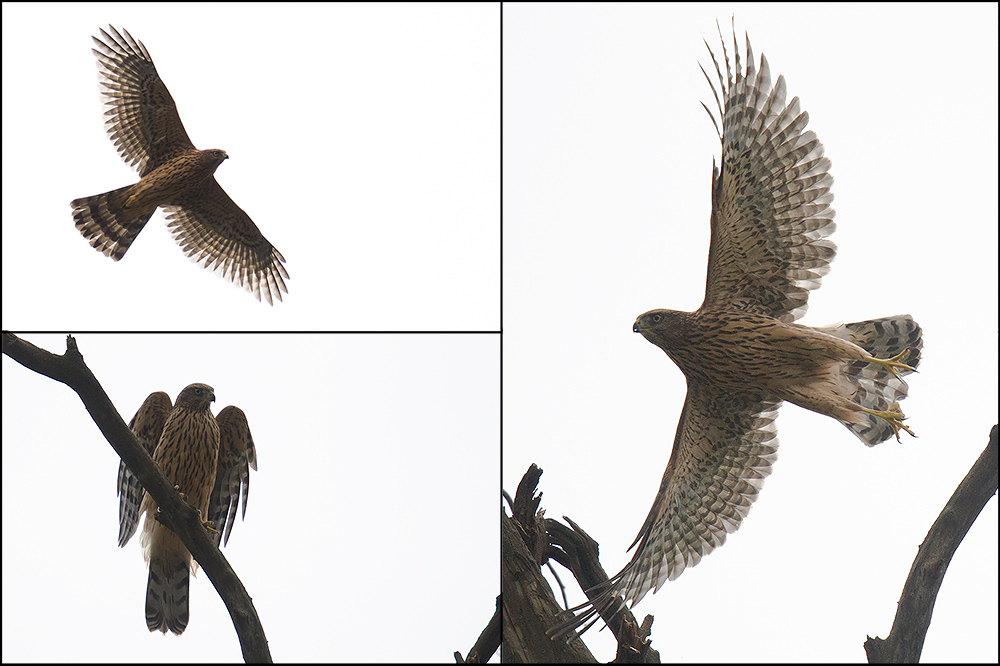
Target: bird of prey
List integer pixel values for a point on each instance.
(208, 459)
(143, 123)
(741, 353)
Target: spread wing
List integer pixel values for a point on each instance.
(723, 450)
(215, 233)
(147, 424)
(771, 199)
(141, 115)
(236, 456)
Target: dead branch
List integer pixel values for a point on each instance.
(916, 604)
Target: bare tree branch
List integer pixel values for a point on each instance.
(178, 515)
(486, 645)
(916, 604)
(529, 540)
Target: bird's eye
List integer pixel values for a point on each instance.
(656, 319)
(197, 391)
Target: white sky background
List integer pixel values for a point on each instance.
(607, 172)
(363, 142)
(369, 533)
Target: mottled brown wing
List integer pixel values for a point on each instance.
(147, 424)
(215, 233)
(236, 456)
(723, 450)
(771, 209)
(725, 445)
(142, 118)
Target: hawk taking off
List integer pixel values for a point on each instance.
(741, 353)
(209, 459)
(142, 121)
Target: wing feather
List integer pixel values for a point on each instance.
(725, 445)
(216, 233)
(232, 478)
(147, 424)
(141, 116)
(771, 212)
(723, 450)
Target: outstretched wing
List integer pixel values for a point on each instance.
(236, 456)
(147, 424)
(142, 118)
(723, 450)
(771, 209)
(215, 233)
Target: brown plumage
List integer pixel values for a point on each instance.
(741, 353)
(208, 458)
(142, 121)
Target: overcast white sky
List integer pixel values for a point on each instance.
(364, 142)
(370, 532)
(607, 169)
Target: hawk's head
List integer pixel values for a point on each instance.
(196, 396)
(647, 322)
(213, 157)
(664, 328)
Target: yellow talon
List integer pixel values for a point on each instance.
(207, 524)
(892, 364)
(894, 417)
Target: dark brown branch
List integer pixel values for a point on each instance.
(488, 643)
(573, 548)
(529, 607)
(576, 550)
(182, 518)
(916, 604)
(528, 541)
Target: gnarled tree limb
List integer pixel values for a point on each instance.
(916, 604)
(529, 540)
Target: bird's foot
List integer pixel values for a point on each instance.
(894, 364)
(207, 524)
(894, 417)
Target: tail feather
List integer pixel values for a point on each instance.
(875, 387)
(884, 338)
(108, 223)
(167, 595)
(169, 574)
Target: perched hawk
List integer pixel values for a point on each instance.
(142, 121)
(741, 353)
(209, 459)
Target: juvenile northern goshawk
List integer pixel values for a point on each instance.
(741, 353)
(142, 121)
(208, 458)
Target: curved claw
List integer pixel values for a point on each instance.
(894, 417)
(207, 524)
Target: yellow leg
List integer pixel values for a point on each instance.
(894, 417)
(893, 364)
